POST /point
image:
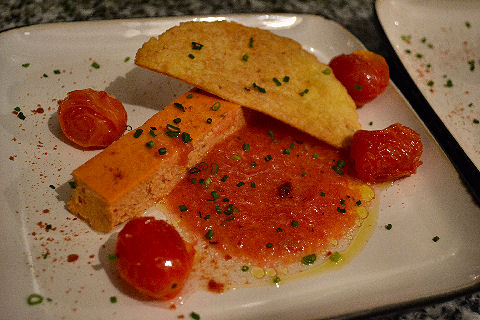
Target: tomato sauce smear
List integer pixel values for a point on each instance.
(269, 195)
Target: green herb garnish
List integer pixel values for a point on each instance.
(309, 259)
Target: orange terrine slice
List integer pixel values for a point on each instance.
(138, 170)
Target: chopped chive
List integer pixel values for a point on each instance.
(342, 202)
(269, 245)
(207, 182)
(162, 151)
(191, 56)
(250, 42)
(207, 217)
(52, 186)
(286, 151)
(315, 156)
(72, 184)
(194, 170)
(370, 123)
(335, 257)
(56, 71)
(113, 299)
(268, 158)
(277, 82)
(237, 158)
(150, 144)
(304, 92)
(253, 164)
(215, 195)
(246, 147)
(229, 210)
(224, 178)
(388, 226)
(152, 133)
(327, 71)
(17, 109)
(309, 259)
(182, 208)
(294, 223)
(217, 208)
(126, 59)
(244, 268)
(303, 174)
(197, 46)
(240, 184)
(45, 75)
(322, 194)
(435, 239)
(341, 210)
(179, 106)
(357, 87)
(26, 65)
(270, 133)
(34, 299)
(209, 120)
(190, 96)
(286, 79)
(112, 256)
(476, 121)
(95, 65)
(209, 235)
(186, 137)
(449, 83)
(193, 180)
(245, 57)
(194, 316)
(430, 83)
(138, 133)
(472, 64)
(216, 106)
(21, 116)
(260, 89)
(252, 184)
(177, 120)
(358, 203)
(279, 230)
(467, 24)
(276, 279)
(214, 168)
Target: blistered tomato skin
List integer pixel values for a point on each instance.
(153, 258)
(91, 119)
(363, 73)
(386, 155)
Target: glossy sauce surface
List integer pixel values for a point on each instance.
(278, 195)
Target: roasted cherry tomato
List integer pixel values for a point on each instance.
(386, 155)
(365, 74)
(91, 119)
(153, 258)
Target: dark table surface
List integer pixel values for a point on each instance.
(358, 16)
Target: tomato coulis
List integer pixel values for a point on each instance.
(253, 200)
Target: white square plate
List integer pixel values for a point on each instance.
(438, 43)
(396, 267)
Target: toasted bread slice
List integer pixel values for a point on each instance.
(132, 174)
(259, 70)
